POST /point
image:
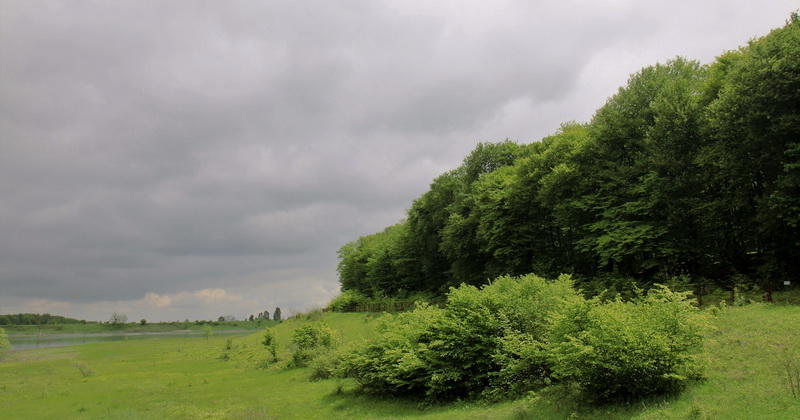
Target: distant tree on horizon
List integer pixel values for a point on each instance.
(118, 319)
(276, 316)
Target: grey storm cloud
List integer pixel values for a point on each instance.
(170, 158)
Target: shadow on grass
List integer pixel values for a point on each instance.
(347, 395)
(560, 402)
(555, 402)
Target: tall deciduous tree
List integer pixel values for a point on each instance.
(755, 124)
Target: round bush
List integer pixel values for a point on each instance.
(462, 350)
(621, 351)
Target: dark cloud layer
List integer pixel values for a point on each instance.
(178, 159)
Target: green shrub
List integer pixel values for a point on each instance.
(390, 364)
(308, 341)
(326, 365)
(523, 366)
(271, 344)
(522, 333)
(620, 351)
(457, 347)
(609, 286)
(460, 350)
(314, 315)
(312, 336)
(493, 336)
(347, 301)
(528, 304)
(353, 301)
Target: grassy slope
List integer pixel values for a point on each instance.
(185, 378)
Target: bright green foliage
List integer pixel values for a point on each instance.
(527, 305)
(522, 333)
(354, 301)
(271, 344)
(488, 157)
(470, 260)
(313, 336)
(390, 363)
(456, 349)
(327, 364)
(465, 350)
(308, 341)
(269, 338)
(456, 352)
(644, 181)
(626, 350)
(376, 264)
(525, 220)
(347, 301)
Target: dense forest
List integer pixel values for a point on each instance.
(689, 175)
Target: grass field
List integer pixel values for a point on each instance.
(190, 378)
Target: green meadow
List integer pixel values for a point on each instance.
(224, 378)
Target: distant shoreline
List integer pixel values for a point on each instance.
(51, 334)
(131, 328)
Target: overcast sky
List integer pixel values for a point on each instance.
(189, 159)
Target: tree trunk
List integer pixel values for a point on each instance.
(699, 294)
(768, 293)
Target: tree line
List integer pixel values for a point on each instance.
(37, 319)
(689, 174)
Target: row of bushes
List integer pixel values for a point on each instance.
(605, 287)
(354, 301)
(519, 334)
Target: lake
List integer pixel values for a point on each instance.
(38, 341)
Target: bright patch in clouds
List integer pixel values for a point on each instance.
(157, 301)
(205, 295)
